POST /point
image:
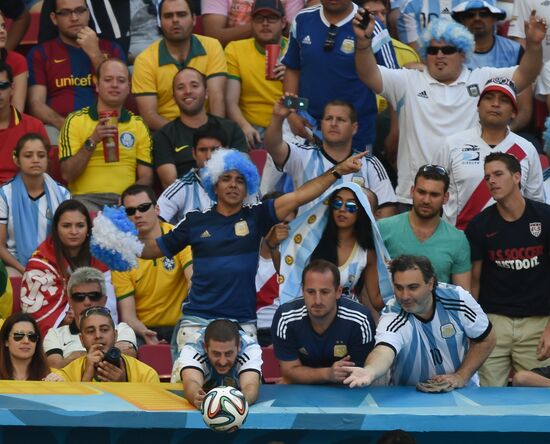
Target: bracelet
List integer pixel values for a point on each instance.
(357, 48)
(335, 173)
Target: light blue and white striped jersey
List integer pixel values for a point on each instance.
(435, 347)
(184, 195)
(45, 214)
(307, 162)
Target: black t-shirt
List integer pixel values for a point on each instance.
(515, 275)
(174, 141)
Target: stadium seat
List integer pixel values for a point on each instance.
(158, 356)
(258, 157)
(544, 161)
(540, 113)
(271, 370)
(16, 288)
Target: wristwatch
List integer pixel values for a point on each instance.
(89, 144)
(335, 173)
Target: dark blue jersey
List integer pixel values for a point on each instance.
(225, 259)
(351, 333)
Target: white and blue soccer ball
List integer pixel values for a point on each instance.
(224, 409)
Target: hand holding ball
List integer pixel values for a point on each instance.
(224, 409)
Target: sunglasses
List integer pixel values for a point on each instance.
(93, 296)
(438, 169)
(350, 207)
(18, 336)
(92, 310)
(130, 211)
(5, 84)
(482, 14)
(331, 38)
(259, 18)
(447, 50)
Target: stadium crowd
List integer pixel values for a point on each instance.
(354, 187)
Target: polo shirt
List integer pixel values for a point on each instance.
(134, 145)
(173, 143)
(246, 62)
(155, 68)
(428, 112)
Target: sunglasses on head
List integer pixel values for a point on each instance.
(92, 310)
(438, 169)
(446, 50)
(330, 39)
(93, 296)
(350, 207)
(5, 84)
(130, 211)
(18, 336)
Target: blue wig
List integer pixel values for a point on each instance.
(224, 160)
(449, 31)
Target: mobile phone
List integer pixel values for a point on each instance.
(365, 20)
(297, 103)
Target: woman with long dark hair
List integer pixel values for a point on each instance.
(21, 354)
(340, 230)
(30, 200)
(43, 290)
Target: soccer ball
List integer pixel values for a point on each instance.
(224, 409)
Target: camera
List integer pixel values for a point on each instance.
(112, 356)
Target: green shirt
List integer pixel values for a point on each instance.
(447, 248)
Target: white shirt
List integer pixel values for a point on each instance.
(463, 155)
(429, 111)
(308, 162)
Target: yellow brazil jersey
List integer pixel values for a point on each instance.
(158, 286)
(246, 63)
(136, 371)
(155, 68)
(134, 146)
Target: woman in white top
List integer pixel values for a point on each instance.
(27, 203)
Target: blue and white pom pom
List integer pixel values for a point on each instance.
(224, 160)
(546, 135)
(114, 239)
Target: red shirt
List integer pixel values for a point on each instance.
(20, 124)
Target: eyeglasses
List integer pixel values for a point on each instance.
(93, 296)
(90, 311)
(259, 18)
(142, 208)
(18, 336)
(68, 12)
(502, 81)
(351, 207)
(5, 84)
(447, 50)
(437, 169)
(331, 38)
(482, 14)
